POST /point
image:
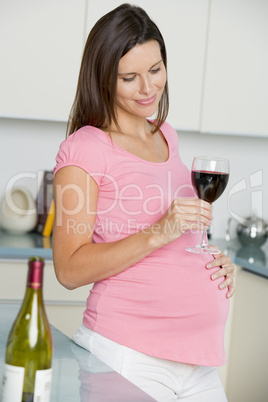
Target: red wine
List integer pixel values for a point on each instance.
(209, 186)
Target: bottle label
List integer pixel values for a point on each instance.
(12, 387)
(42, 386)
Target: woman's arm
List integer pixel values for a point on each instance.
(78, 261)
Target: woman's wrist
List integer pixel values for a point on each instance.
(155, 237)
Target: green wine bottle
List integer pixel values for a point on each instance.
(28, 373)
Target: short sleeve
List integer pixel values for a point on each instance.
(82, 149)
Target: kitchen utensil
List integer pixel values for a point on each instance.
(251, 231)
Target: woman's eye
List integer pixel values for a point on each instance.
(155, 71)
(128, 79)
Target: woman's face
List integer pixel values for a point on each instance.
(141, 81)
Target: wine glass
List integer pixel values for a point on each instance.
(209, 178)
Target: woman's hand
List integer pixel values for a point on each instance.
(226, 270)
(183, 214)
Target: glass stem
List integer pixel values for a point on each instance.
(204, 242)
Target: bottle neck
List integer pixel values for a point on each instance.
(35, 274)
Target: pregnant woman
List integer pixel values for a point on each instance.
(126, 211)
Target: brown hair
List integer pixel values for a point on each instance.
(111, 38)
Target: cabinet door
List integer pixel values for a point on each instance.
(236, 84)
(13, 278)
(248, 356)
(40, 50)
(183, 24)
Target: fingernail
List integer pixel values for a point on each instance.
(221, 286)
(214, 276)
(209, 265)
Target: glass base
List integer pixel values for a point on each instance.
(204, 249)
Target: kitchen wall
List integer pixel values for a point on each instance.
(29, 146)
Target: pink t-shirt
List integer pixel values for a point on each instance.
(166, 305)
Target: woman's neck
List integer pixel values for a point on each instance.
(139, 128)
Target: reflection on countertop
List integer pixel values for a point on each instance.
(77, 374)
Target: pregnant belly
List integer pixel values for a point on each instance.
(156, 298)
(184, 293)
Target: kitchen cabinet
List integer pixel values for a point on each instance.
(248, 350)
(41, 48)
(64, 307)
(244, 375)
(43, 45)
(235, 83)
(217, 59)
(183, 24)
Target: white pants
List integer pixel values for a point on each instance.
(164, 380)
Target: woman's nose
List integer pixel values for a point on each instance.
(146, 85)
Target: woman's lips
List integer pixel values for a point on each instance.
(146, 102)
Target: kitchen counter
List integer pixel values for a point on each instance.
(77, 374)
(22, 246)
